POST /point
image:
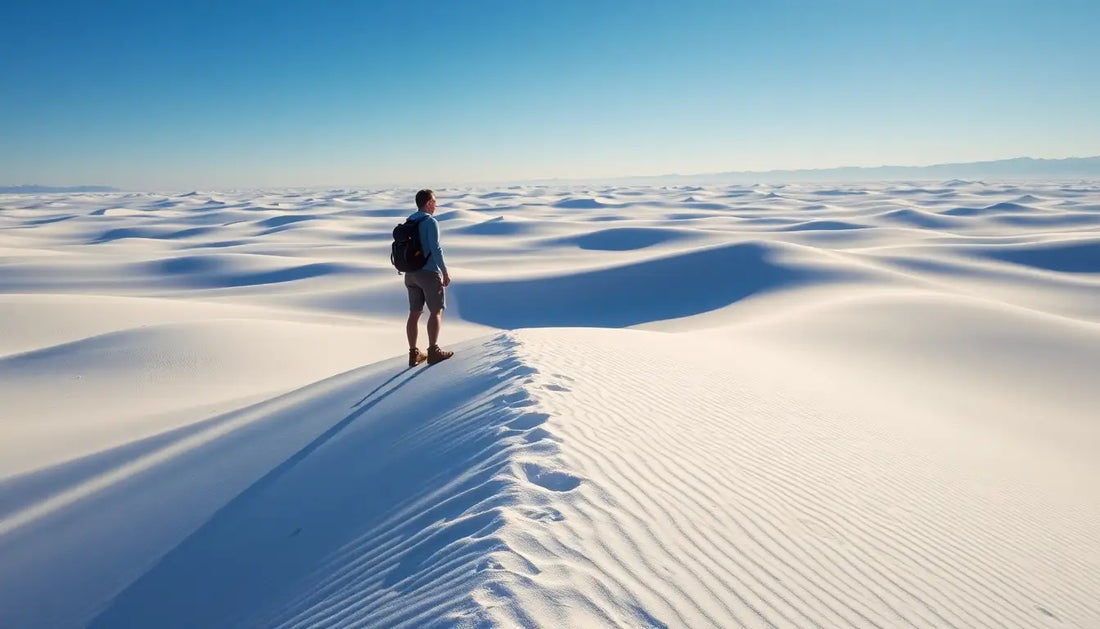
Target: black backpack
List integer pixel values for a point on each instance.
(407, 253)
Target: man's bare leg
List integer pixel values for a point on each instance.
(435, 354)
(411, 327)
(435, 320)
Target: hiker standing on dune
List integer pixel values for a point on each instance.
(427, 285)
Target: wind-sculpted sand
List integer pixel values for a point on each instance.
(766, 406)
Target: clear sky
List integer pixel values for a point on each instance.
(216, 94)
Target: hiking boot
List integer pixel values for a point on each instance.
(436, 355)
(416, 356)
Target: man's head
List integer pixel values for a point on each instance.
(425, 201)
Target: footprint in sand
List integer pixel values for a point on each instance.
(546, 514)
(550, 479)
(489, 564)
(558, 378)
(538, 434)
(528, 421)
(520, 399)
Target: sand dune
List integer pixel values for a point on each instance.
(774, 406)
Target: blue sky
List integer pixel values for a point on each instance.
(217, 94)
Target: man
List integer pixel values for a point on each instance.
(428, 285)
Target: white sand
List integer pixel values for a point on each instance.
(785, 406)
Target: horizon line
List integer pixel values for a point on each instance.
(47, 188)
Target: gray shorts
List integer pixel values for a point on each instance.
(426, 287)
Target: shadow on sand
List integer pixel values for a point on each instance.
(373, 522)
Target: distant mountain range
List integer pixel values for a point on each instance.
(1016, 168)
(42, 189)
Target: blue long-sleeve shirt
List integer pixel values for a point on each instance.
(429, 241)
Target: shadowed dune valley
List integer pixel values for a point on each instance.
(776, 405)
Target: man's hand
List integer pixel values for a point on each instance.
(446, 280)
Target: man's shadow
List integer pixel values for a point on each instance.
(374, 399)
(242, 526)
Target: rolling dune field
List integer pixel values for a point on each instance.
(791, 405)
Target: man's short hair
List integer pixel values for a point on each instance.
(423, 197)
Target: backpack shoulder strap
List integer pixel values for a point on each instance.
(418, 222)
